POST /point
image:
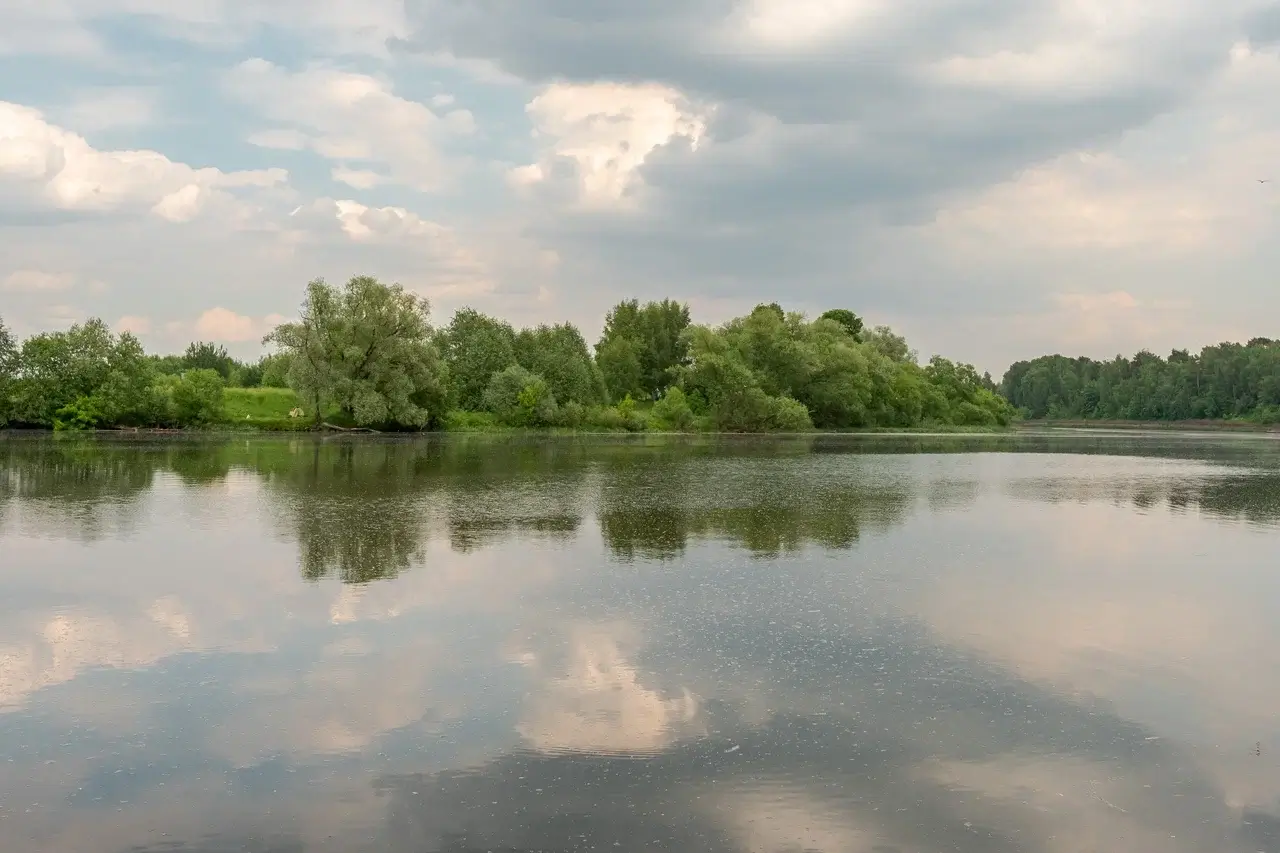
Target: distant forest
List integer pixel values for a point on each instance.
(1228, 381)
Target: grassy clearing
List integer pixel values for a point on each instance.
(263, 408)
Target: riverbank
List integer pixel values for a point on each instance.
(1199, 425)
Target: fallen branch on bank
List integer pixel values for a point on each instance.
(334, 427)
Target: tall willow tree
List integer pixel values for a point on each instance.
(366, 348)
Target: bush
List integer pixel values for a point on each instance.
(520, 398)
(573, 415)
(672, 413)
(788, 415)
(197, 398)
(460, 420)
(275, 370)
(80, 414)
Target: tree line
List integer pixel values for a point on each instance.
(1226, 381)
(366, 353)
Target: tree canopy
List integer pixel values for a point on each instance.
(1229, 380)
(475, 347)
(641, 347)
(368, 348)
(761, 371)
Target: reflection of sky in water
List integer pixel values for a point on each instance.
(752, 646)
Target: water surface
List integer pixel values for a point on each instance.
(1018, 643)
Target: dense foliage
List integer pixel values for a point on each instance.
(1240, 381)
(366, 354)
(368, 348)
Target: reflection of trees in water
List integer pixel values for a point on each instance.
(1252, 496)
(80, 487)
(356, 509)
(226, 843)
(363, 510)
(763, 506)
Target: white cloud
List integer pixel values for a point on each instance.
(607, 130)
(133, 324)
(43, 166)
(347, 117)
(361, 179)
(36, 281)
(797, 25)
(225, 326)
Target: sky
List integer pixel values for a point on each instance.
(996, 179)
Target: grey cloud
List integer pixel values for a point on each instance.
(813, 159)
(1263, 26)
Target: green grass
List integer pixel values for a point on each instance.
(263, 408)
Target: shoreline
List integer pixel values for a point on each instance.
(1193, 425)
(240, 431)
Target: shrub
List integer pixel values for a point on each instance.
(520, 398)
(672, 413)
(460, 420)
(197, 398)
(788, 415)
(573, 415)
(80, 414)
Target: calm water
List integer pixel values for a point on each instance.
(1029, 643)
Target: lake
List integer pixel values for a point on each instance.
(1055, 642)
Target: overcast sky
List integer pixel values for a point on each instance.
(996, 179)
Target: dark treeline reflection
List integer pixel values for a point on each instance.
(769, 507)
(362, 509)
(1252, 496)
(95, 488)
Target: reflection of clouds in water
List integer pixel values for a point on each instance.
(341, 703)
(780, 815)
(1072, 804)
(596, 702)
(1166, 618)
(73, 640)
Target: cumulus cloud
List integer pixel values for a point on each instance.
(605, 131)
(991, 161)
(830, 136)
(222, 325)
(348, 118)
(36, 281)
(134, 324)
(440, 259)
(44, 167)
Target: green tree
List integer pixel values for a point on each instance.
(475, 347)
(367, 348)
(203, 355)
(520, 398)
(275, 370)
(560, 356)
(672, 413)
(892, 346)
(91, 370)
(8, 371)
(619, 361)
(1228, 380)
(642, 346)
(848, 321)
(197, 398)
